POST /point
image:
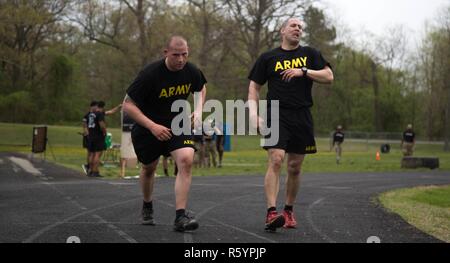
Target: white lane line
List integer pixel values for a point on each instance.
(68, 198)
(1, 161)
(25, 165)
(116, 229)
(15, 168)
(311, 222)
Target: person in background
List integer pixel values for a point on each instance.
(408, 141)
(101, 107)
(127, 153)
(220, 143)
(338, 139)
(166, 161)
(92, 108)
(96, 140)
(210, 146)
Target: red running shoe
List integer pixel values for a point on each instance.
(274, 221)
(289, 219)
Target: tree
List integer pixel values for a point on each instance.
(385, 54)
(436, 76)
(25, 26)
(319, 34)
(257, 24)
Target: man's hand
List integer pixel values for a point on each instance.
(258, 121)
(289, 74)
(160, 132)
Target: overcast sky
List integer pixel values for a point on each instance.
(376, 16)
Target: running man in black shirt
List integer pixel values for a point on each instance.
(148, 102)
(290, 71)
(338, 139)
(408, 141)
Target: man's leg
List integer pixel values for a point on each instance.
(86, 166)
(183, 159)
(220, 152)
(91, 162)
(123, 163)
(96, 163)
(294, 165)
(338, 152)
(212, 149)
(272, 179)
(272, 187)
(166, 165)
(147, 178)
(207, 154)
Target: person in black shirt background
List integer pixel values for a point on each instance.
(92, 108)
(127, 154)
(96, 129)
(408, 141)
(290, 71)
(338, 139)
(148, 102)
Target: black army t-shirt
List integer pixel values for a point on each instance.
(408, 136)
(156, 88)
(338, 137)
(93, 120)
(296, 93)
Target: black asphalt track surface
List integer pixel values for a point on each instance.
(56, 203)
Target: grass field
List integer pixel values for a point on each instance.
(427, 208)
(246, 156)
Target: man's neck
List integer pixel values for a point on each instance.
(289, 46)
(168, 67)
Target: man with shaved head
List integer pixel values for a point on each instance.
(148, 102)
(290, 71)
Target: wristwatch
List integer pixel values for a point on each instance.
(305, 71)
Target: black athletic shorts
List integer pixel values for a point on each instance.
(96, 144)
(148, 148)
(296, 131)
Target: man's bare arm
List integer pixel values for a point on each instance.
(253, 97)
(160, 132)
(324, 76)
(113, 110)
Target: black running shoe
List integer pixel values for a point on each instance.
(185, 223)
(147, 216)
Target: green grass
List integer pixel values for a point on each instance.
(246, 156)
(427, 208)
